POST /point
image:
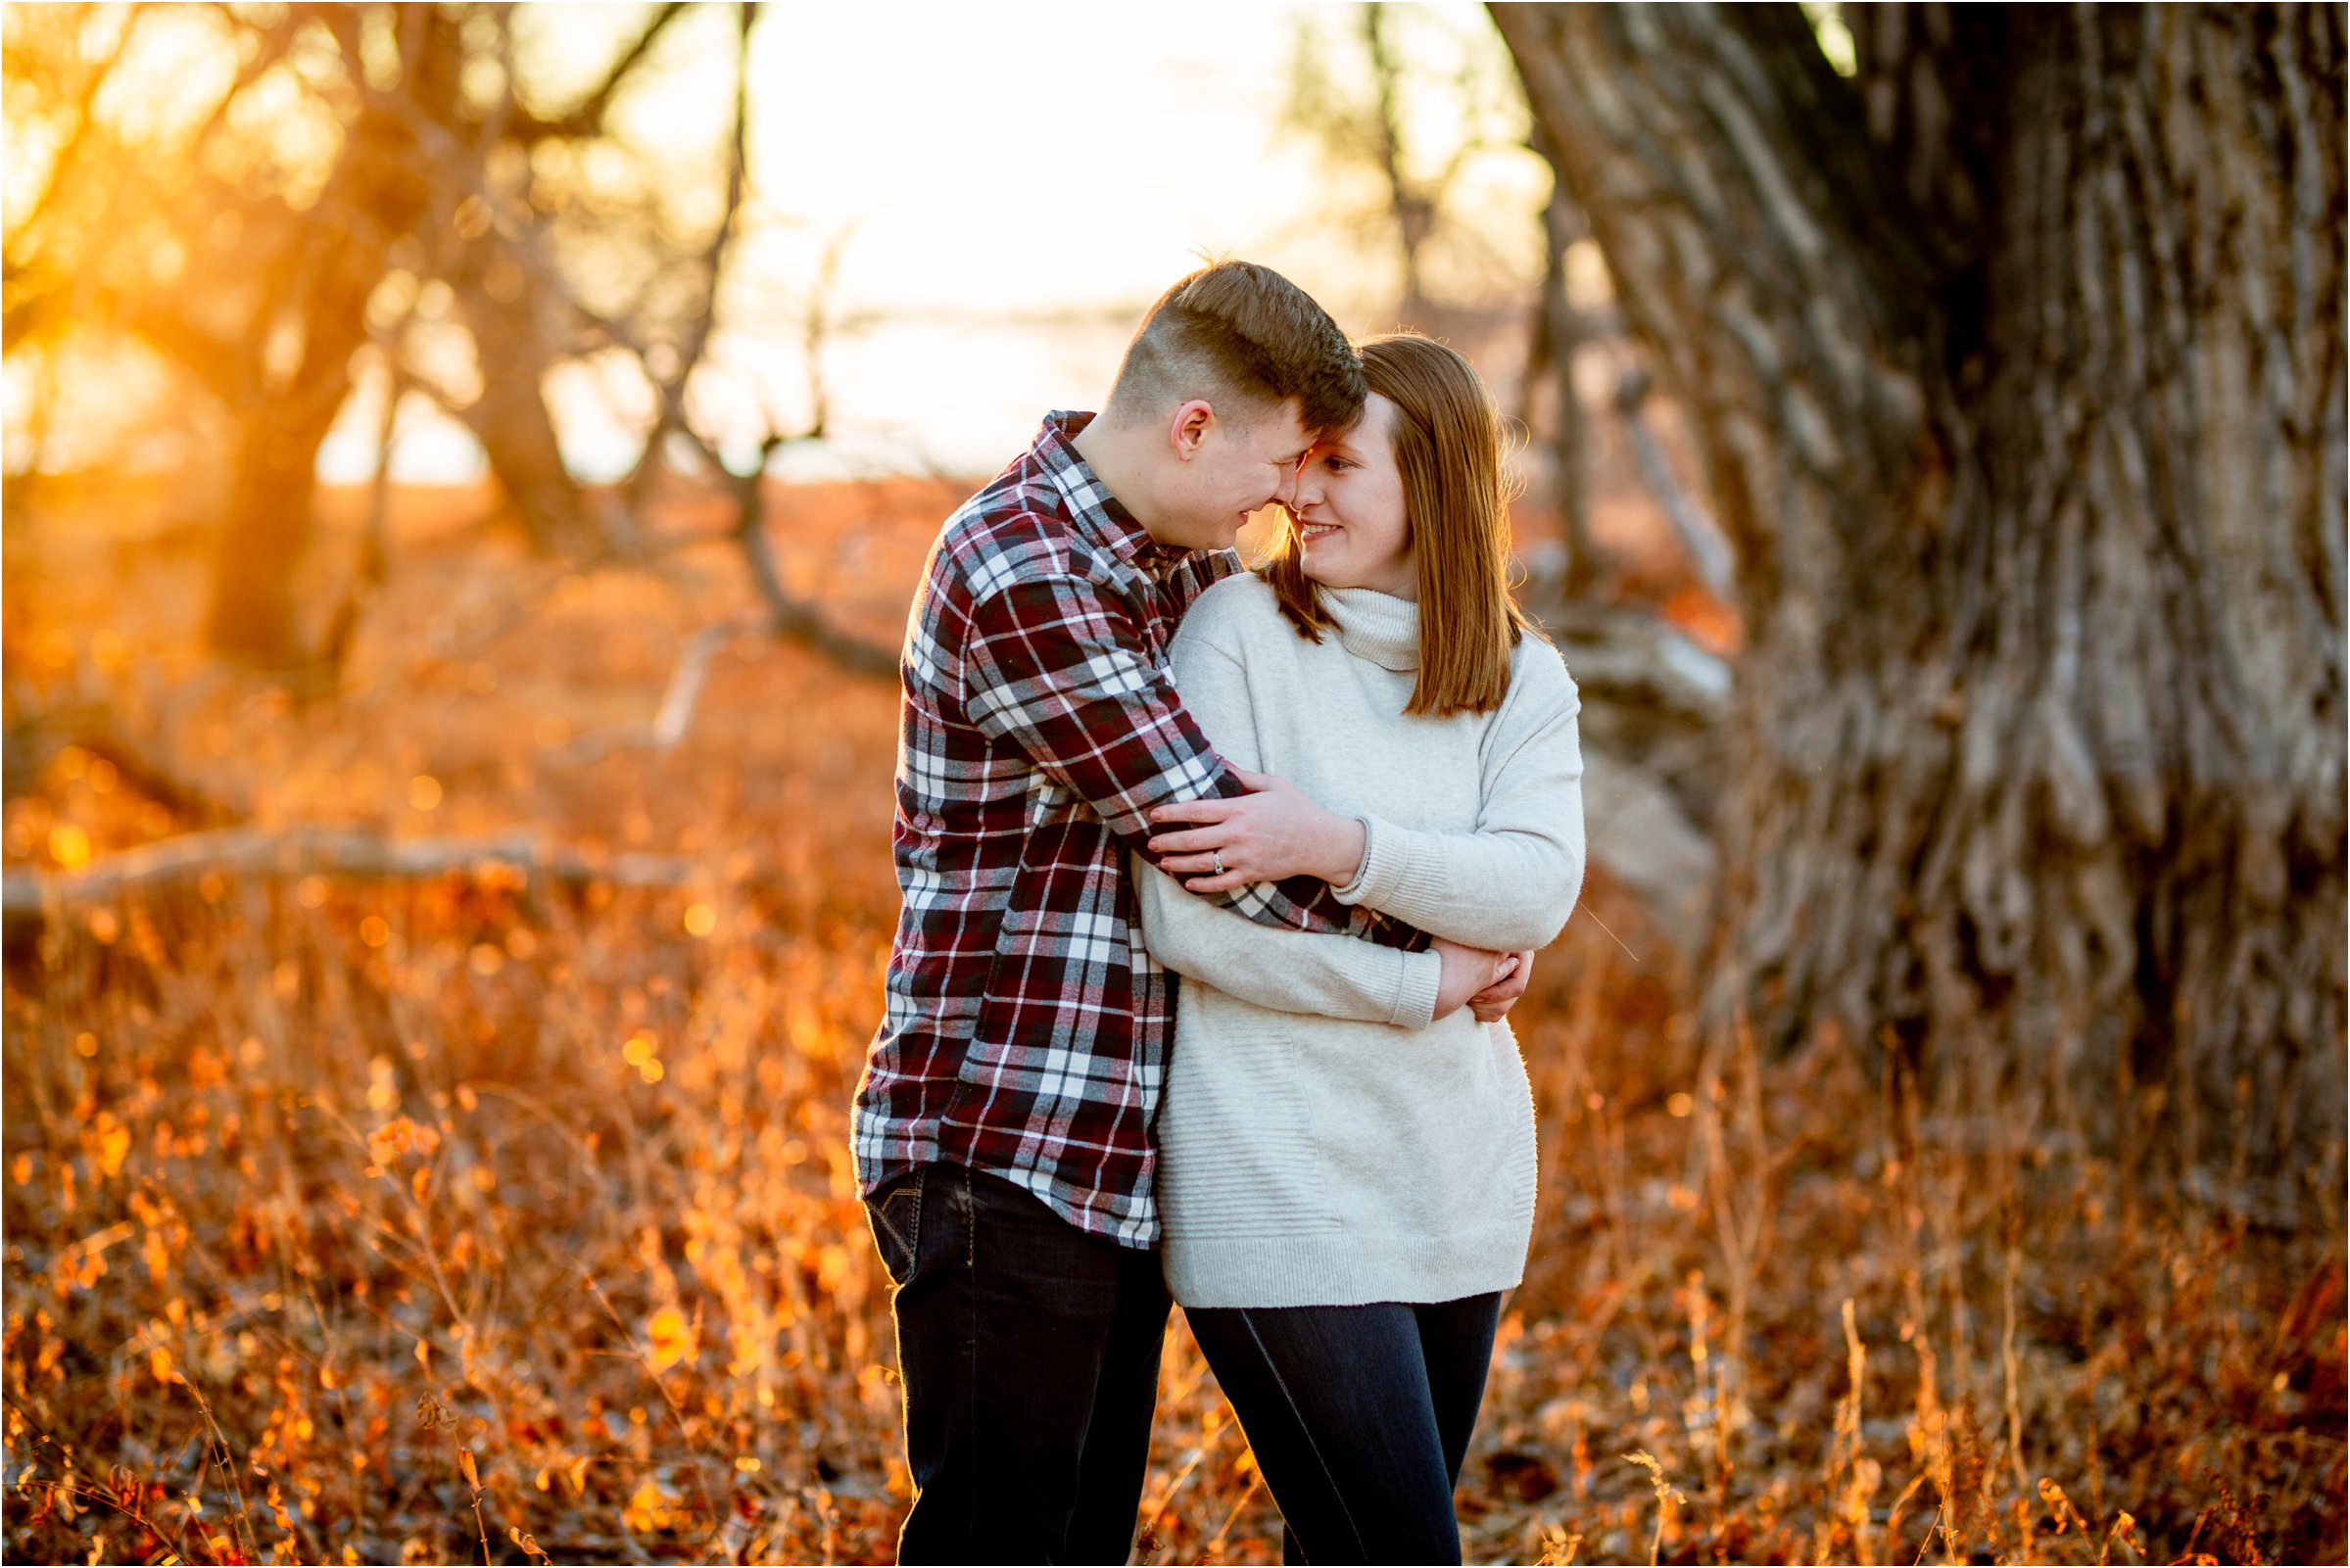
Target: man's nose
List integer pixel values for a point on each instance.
(1285, 493)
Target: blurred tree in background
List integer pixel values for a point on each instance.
(2015, 351)
(268, 194)
(1415, 116)
(1420, 124)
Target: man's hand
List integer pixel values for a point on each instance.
(1509, 983)
(1274, 830)
(1468, 974)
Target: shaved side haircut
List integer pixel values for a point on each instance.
(1236, 333)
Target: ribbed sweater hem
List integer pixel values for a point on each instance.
(1343, 1270)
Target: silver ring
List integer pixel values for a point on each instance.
(1218, 856)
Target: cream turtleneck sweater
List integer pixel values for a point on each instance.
(1323, 1141)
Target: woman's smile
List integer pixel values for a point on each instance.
(1348, 516)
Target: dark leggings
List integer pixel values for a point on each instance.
(1360, 1417)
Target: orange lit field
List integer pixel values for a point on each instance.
(507, 1210)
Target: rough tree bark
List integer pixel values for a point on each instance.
(2018, 365)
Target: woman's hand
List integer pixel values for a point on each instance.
(1274, 830)
(1497, 999)
(1468, 974)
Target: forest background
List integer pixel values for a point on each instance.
(465, 469)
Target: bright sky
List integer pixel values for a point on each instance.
(1010, 185)
(1032, 156)
(989, 164)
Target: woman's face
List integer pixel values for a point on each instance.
(1349, 509)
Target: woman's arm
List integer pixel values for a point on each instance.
(1512, 883)
(1290, 972)
(1509, 885)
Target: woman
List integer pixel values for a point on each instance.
(1348, 1166)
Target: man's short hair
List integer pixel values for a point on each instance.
(1240, 331)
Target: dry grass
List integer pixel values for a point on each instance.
(485, 1218)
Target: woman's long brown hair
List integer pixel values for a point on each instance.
(1448, 448)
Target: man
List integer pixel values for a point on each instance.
(1002, 1127)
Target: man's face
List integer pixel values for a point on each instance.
(1228, 468)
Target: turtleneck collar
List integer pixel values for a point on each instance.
(1375, 626)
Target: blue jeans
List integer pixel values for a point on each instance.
(1029, 1350)
(1360, 1417)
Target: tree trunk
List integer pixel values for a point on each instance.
(2018, 367)
(261, 543)
(518, 333)
(268, 526)
(317, 288)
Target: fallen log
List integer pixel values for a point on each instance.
(292, 852)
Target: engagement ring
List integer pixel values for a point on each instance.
(1218, 856)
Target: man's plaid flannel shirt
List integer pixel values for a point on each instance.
(1026, 1028)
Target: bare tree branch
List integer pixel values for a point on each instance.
(66, 155)
(796, 620)
(586, 117)
(35, 737)
(1702, 542)
(677, 701)
(670, 388)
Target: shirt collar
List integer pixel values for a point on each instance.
(1099, 515)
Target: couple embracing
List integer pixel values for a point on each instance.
(1216, 886)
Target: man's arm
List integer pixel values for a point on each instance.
(1057, 666)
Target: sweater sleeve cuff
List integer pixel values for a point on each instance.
(1415, 996)
(1375, 879)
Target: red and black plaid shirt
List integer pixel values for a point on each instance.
(1026, 1025)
